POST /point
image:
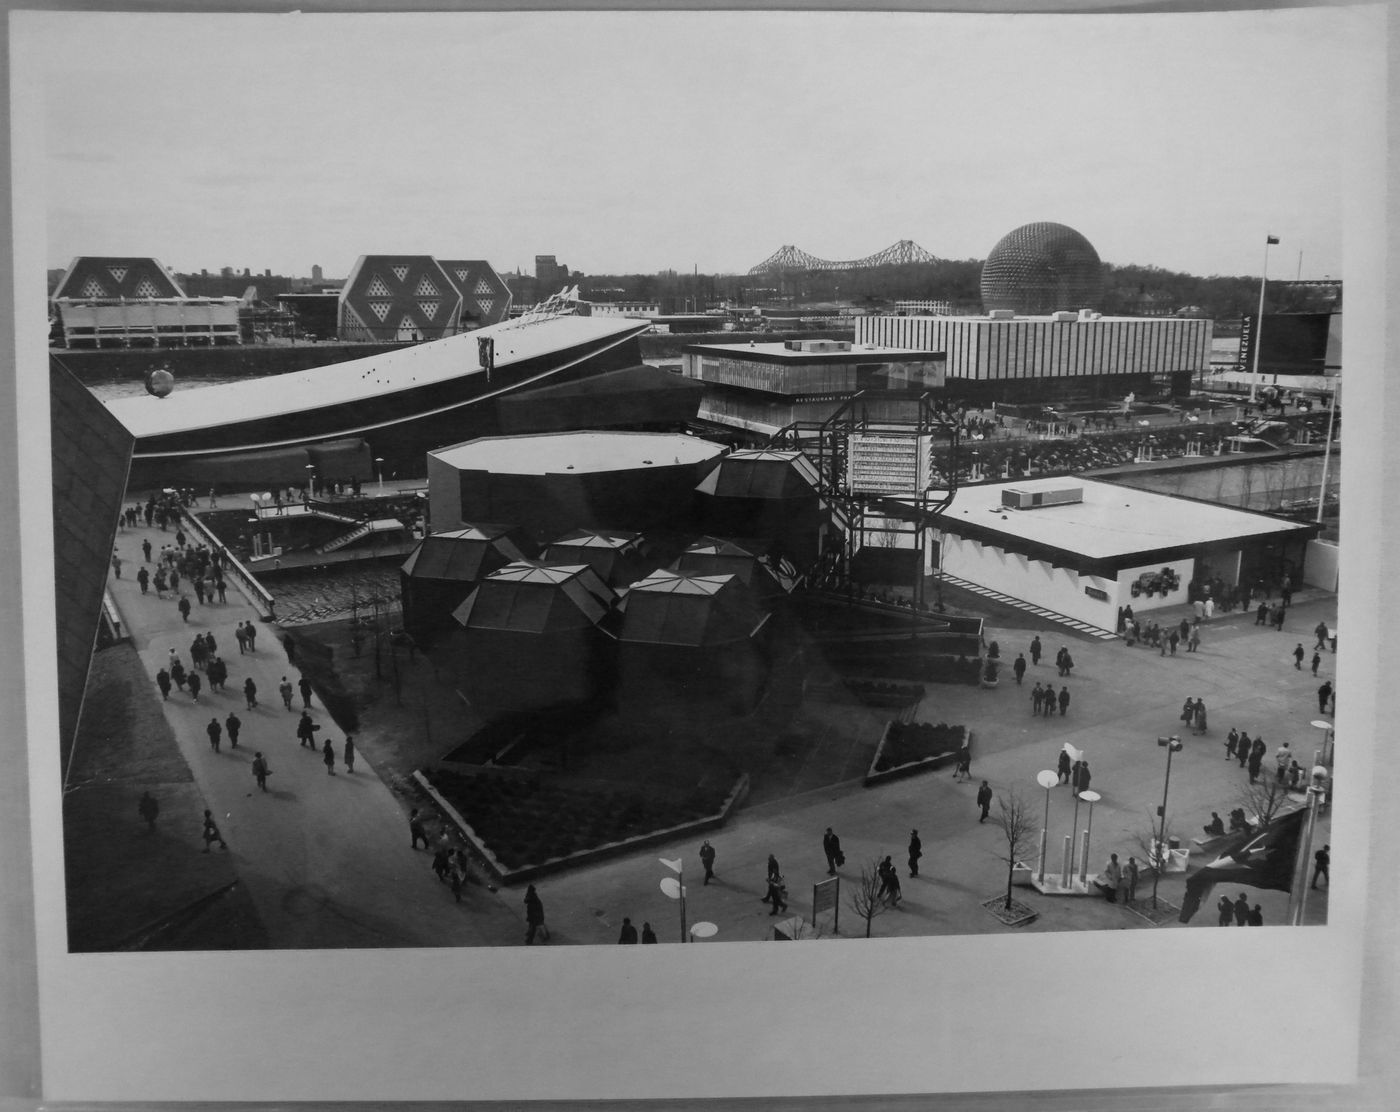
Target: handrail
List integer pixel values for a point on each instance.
(257, 594)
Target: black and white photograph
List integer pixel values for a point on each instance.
(871, 480)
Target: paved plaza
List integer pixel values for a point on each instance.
(327, 863)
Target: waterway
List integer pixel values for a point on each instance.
(1260, 485)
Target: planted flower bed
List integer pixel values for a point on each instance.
(525, 821)
(914, 746)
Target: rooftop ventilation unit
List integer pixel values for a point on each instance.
(1064, 317)
(1002, 314)
(817, 347)
(1014, 498)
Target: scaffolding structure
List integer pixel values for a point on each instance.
(881, 465)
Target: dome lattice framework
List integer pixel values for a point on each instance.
(1042, 268)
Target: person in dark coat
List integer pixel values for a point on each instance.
(648, 935)
(184, 607)
(534, 916)
(1256, 916)
(916, 850)
(1298, 655)
(1261, 615)
(211, 833)
(773, 869)
(777, 894)
(1232, 739)
(628, 937)
(163, 682)
(1018, 668)
(416, 830)
(1216, 827)
(1322, 862)
(1083, 784)
(143, 579)
(215, 732)
(328, 755)
(1035, 649)
(1242, 910)
(707, 859)
(349, 753)
(831, 846)
(1226, 910)
(305, 685)
(1037, 698)
(195, 684)
(260, 770)
(1256, 758)
(250, 692)
(1324, 695)
(1242, 749)
(1063, 767)
(148, 809)
(984, 800)
(306, 731)
(442, 863)
(1064, 700)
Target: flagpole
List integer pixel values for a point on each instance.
(1298, 893)
(1259, 319)
(1327, 454)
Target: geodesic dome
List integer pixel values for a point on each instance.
(1042, 268)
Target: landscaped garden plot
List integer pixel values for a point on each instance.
(912, 743)
(530, 820)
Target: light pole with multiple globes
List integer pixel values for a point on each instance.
(1092, 797)
(1047, 778)
(1162, 856)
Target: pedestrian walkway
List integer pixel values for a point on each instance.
(325, 858)
(1030, 608)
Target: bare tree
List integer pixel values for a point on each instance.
(1016, 820)
(1155, 850)
(865, 898)
(1263, 799)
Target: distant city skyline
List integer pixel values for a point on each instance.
(644, 142)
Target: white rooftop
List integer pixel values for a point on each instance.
(582, 452)
(1112, 521)
(780, 350)
(193, 407)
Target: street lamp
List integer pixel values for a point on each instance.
(379, 463)
(674, 887)
(1093, 797)
(1323, 756)
(311, 480)
(1299, 891)
(1259, 317)
(1047, 778)
(1162, 855)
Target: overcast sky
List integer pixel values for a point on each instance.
(627, 142)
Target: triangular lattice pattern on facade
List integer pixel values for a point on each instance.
(118, 273)
(426, 288)
(483, 286)
(93, 288)
(400, 272)
(147, 288)
(380, 309)
(429, 308)
(377, 288)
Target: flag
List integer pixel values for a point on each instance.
(1271, 241)
(1262, 860)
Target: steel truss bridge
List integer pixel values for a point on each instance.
(789, 257)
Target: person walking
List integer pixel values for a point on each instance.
(306, 732)
(916, 850)
(260, 771)
(1261, 615)
(148, 809)
(240, 635)
(349, 753)
(984, 800)
(1322, 861)
(1060, 661)
(1256, 759)
(1080, 782)
(250, 692)
(1037, 698)
(250, 631)
(773, 869)
(1018, 668)
(831, 846)
(1198, 717)
(184, 607)
(894, 894)
(1225, 908)
(1242, 750)
(1193, 643)
(1130, 880)
(285, 690)
(1064, 700)
(143, 579)
(1112, 878)
(305, 685)
(1320, 632)
(416, 830)
(328, 755)
(1035, 649)
(1324, 694)
(1241, 909)
(1232, 739)
(1256, 917)
(211, 833)
(1316, 662)
(1063, 768)
(534, 917)
(648, 935)
(177, 674)
(1283, 757)
(628, 937)
(215, 732)
(195, 684)
(1298, 655)
(163, 682)
(963, 771)
(707, 859)
(146, 550)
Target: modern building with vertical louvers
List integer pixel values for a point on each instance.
(1004, 357)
